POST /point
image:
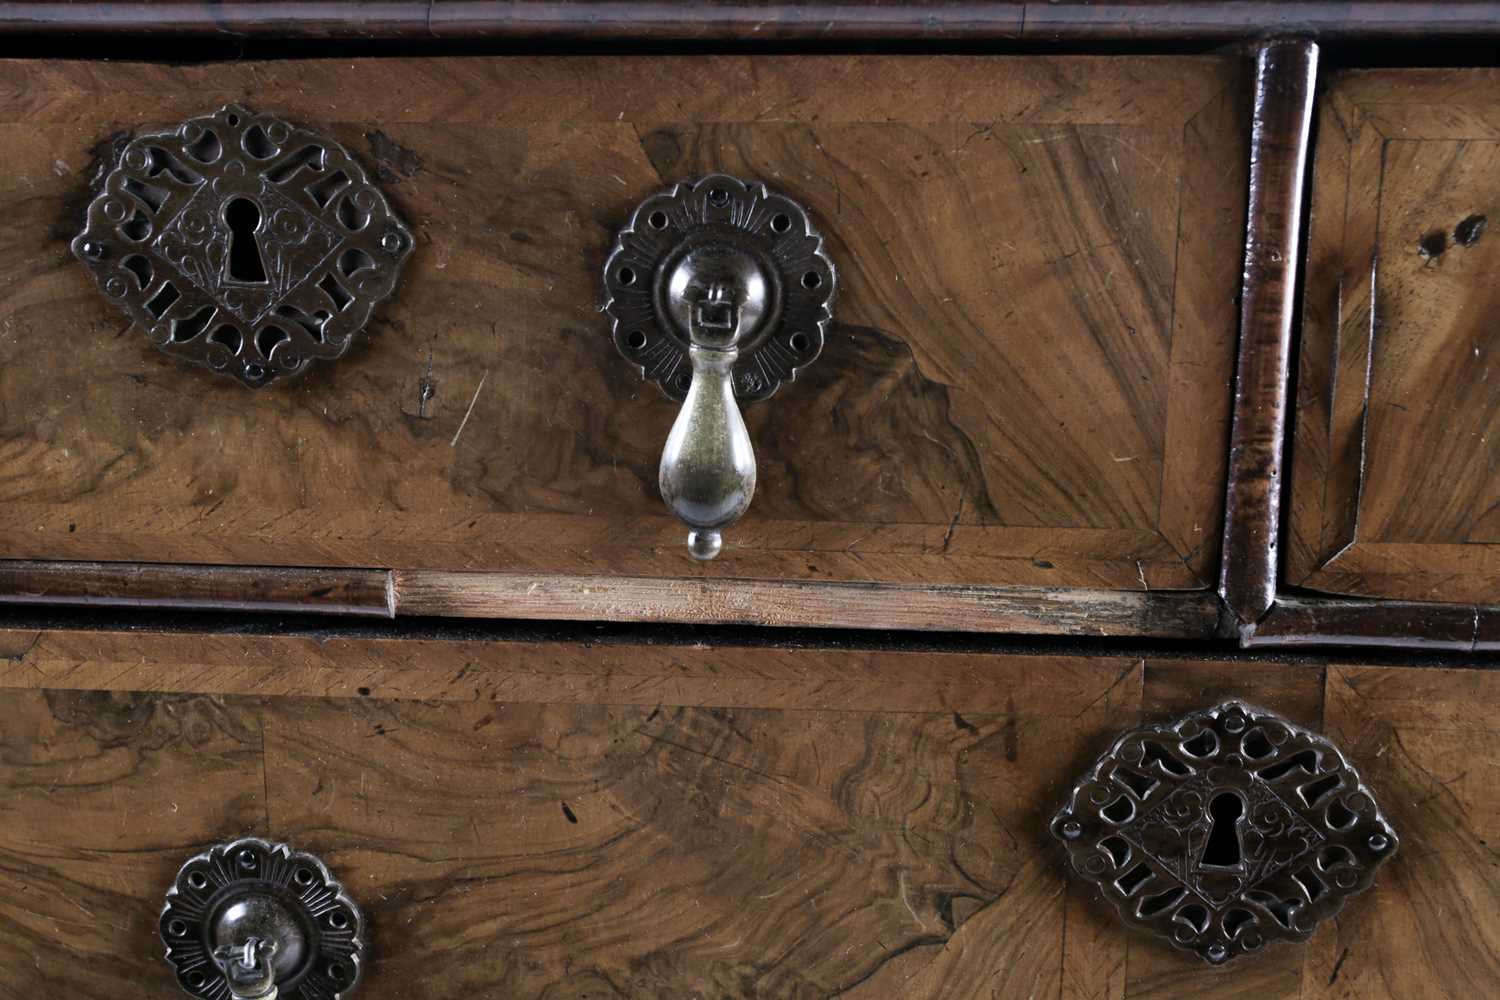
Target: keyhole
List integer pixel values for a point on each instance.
(245, 266)
(1223, 847)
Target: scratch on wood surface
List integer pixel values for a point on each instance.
(1337, 966)
(470, 411)
(901, 891)
(953, 526)
(20, 655)
(426, 389)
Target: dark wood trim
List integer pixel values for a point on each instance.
(1285, 77)
(746, 20)
(797, 604)
(342, 19)
(729, 20)
(224, 588)
(1225, 20)
(1313, 621)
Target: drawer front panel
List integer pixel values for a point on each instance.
(627, 821)
(1394, 490)
(939, 438)
(1025, 383)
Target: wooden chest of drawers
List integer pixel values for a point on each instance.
(1097, 281)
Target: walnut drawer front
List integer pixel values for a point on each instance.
(1026, 383)
(535, 819)
(1394, 486)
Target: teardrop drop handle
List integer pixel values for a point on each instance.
(707, 471)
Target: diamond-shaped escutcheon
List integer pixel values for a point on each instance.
(1224, 831)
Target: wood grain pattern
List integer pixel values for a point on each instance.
(103, 792)
(548, 850)
(331, 665)
(970, 203)
(1286, 74)
(816, 605)
(774, 824)
(724, 853)
(1394, 489)
(1427, 740)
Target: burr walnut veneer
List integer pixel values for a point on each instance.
(1026, 383)
(1395, 489)
(620, 819)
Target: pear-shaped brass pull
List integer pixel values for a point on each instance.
(708, 466)
(719, 290)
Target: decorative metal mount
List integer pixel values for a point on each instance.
(243, 244)
(719, 290)
(1228, 829)
(252, 920)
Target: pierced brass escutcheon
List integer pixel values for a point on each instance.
(1224, 831)
(243, 243)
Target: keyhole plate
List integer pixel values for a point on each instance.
(243, 243)
(1224, 831)
(750, 222)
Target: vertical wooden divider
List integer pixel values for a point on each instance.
(1285, 76)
